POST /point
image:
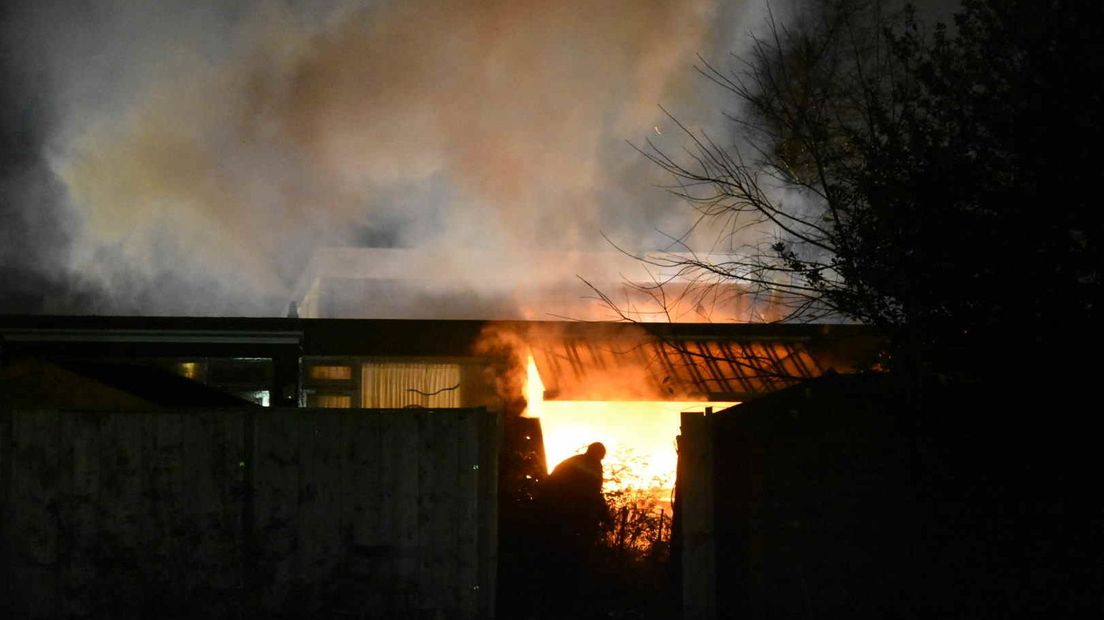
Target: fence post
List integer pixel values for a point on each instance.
(696, 506)
(251, 592)
(491, 433)
(6, 510)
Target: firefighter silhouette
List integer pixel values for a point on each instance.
(572, 515)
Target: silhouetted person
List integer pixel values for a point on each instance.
(572, 496)
(572, 513)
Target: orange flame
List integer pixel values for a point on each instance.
(639, 435)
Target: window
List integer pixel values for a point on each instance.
(395, 385)
(331, 373)
(330, 401)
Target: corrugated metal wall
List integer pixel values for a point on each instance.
(365, 513)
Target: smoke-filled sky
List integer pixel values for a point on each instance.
(189, 157)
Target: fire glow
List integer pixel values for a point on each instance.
(639, 435)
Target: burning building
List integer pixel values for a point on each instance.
(623, 384)
(553, 386)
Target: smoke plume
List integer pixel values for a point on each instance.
(194, 155)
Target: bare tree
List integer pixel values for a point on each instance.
(880, 172)
(782, 202)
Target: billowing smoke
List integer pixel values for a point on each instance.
(195, 155)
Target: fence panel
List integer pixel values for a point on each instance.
(33, 489)
(369, 513)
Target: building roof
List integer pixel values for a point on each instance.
(692, 362)
(716, 370)
(576, 360)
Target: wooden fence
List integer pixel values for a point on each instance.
(247, 513)
(696, 542)
(802, 504)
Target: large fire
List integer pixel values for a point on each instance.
(639, 435)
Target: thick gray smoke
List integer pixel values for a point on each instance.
(192, 156)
